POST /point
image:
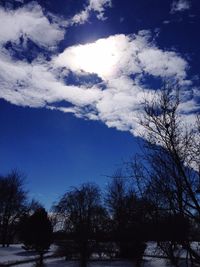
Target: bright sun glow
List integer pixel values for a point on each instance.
(99, 57)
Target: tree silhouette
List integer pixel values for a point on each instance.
(171, 152)
(12, 205)
(84, 216)
(36, 232)
(128, 217)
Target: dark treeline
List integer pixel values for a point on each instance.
(22, 220)
(117, 224)
(156, 198)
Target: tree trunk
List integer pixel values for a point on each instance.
(41, 259)
(83, 262)
(84, 254)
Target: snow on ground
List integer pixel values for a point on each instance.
(62, 263)
(15, 253)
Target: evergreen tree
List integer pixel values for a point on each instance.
(36, 232)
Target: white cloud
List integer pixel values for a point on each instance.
(122, 55)
(29, 22)
(35, 85)
(97, 6)
(80, 18)
(121, 62)
(180, 5)
(100, 57)
(114, 59)
(162, 63)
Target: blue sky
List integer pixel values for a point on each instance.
(73, 76)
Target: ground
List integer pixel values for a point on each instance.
(16, 254)
(62, 263)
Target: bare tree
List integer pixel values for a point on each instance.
(128, 217)
(116, 200)
(171, 152)
(83, 216)
(12, 204)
